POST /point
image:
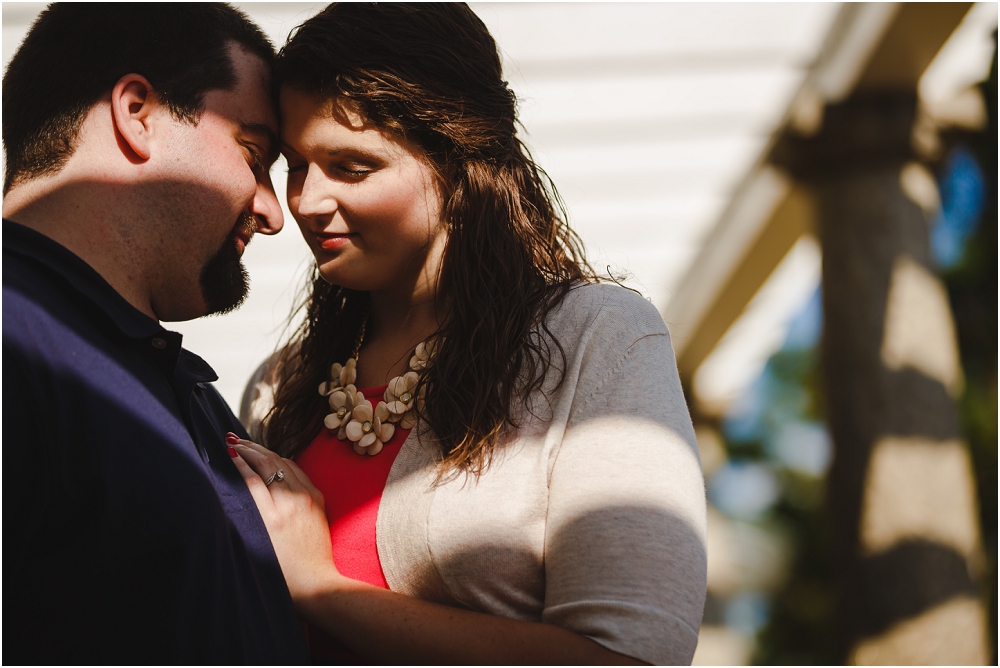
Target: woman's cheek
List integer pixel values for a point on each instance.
(309, 238)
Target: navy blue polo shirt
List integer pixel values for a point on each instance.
(129, 535)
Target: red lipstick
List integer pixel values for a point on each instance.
(332, 241)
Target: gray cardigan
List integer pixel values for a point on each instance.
(592, 517)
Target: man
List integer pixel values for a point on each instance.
(138, 139)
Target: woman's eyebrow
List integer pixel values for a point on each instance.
(368, 153)
(285, 146)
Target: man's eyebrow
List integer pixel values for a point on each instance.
(263, 130)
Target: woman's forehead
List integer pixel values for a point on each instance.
(326, 117)
(299, 109)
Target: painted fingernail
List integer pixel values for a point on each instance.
(232, 452)
(232, 439)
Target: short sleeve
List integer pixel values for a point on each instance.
(258, 394)
(257, 400)
(625, 560)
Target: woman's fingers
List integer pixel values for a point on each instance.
(254, 446)
(262, 464)
(294, 513)
(267, 463)
(303, 480)
(258, 490)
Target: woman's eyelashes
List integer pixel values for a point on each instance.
(348, 171)
(357, 168)
(355, 171)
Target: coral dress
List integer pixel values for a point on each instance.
(352, 485)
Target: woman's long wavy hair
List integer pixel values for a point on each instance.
(431, 73)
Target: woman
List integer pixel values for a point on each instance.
(517, 480)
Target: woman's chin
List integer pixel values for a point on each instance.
(336, 278)
(346, 279)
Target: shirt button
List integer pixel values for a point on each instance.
(159, 343)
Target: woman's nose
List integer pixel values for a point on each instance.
(316, 198)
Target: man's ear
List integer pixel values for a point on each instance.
(132, 103)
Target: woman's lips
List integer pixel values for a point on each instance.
(333, 241)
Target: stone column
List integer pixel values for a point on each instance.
(901, 488)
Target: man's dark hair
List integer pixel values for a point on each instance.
(75, 53)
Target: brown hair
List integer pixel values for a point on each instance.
(431, 73)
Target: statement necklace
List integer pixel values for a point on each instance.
(354, 419)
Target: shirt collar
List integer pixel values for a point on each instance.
(84, 279)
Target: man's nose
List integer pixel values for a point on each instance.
(267, 209)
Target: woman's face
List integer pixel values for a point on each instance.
(368, 206)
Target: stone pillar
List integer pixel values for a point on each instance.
(900, 489)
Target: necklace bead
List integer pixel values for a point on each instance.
(366, 425)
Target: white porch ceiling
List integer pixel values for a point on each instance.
(647, 115)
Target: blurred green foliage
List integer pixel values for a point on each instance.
(799, 629)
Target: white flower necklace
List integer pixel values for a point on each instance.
(353, 417)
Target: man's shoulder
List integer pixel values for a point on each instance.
(48, 287)
(35, 295)
(28, 251)
(37, 310)
(41, 309)
(20, 269)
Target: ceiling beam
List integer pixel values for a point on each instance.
(768, 214)
(791, 218)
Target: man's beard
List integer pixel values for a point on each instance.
(224, 280)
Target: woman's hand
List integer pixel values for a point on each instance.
(383, 626)
(293, 512)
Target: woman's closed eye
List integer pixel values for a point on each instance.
(354, 172)
(347, 171)
(353, 167)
